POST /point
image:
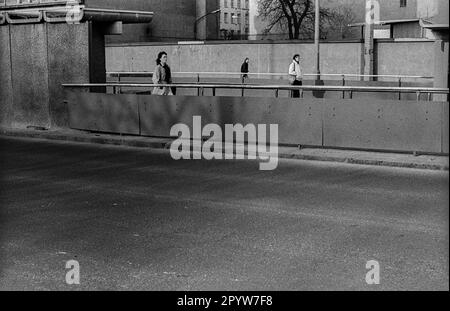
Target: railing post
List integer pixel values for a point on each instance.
(202, 91)
(418, 95)
(343, 84)
(400, 85)
(276, 93)
(429, 97)
(198, 81)
(301, 93)
(351, 94)
(214, 91)
(242, 82)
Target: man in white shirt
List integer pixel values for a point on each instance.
(295, 74)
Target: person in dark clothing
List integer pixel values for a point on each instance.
(244, 68)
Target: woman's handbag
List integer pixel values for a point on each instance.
(292, 79)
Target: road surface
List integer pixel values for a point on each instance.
(135, 219)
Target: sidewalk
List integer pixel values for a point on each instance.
(315, 154)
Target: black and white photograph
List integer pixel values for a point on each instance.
(224, 152)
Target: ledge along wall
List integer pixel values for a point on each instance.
(366, 124)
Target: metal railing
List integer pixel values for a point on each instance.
(276, 88)
(120, 74)
(283, 76)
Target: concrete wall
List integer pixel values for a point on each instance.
(434, 10)
(6, 94)
(29, 75)
(392, 57)
(391, 10)
(264, 58)
(173, 19)
(68, 62)
(208, 26)
(441, 67)
(366, 124)
(407, 30)
(405, 58)
(35, 60)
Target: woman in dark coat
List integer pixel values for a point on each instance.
(244, 68)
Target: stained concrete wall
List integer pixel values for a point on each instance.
(29, 75)
(208, 26)
(6, 94)
(407, 30)
(405, 58)
(362, 123)
(392, 57)
(441, 66)
(35, 59)
(391, 10)
(68, 62)
(434, 10)
(264, 57)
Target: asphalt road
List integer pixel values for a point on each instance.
(135, 219)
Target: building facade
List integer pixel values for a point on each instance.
(415, 18)
(173, 19)
(412, 19)
(234, 19)
(398, 19)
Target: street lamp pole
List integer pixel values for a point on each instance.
(200, 18)
(317, 39)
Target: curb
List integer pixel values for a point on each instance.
(161, 143)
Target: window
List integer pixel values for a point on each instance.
(403, 3)
(225, 18)
(225, 3)
(238, 4)
(239, 18)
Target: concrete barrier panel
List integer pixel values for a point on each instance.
(365, 124)
(159, 113)
(6, 95)
(445, 127)
(68, 59)
(299, 121)
(385, 125)
(30, 75)
(104, 112)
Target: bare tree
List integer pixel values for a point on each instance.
(295, 15)
(339, 22)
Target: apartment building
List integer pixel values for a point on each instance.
(234, 19)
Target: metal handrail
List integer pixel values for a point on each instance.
(201, 87)
(144, 73)
(270, 87)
